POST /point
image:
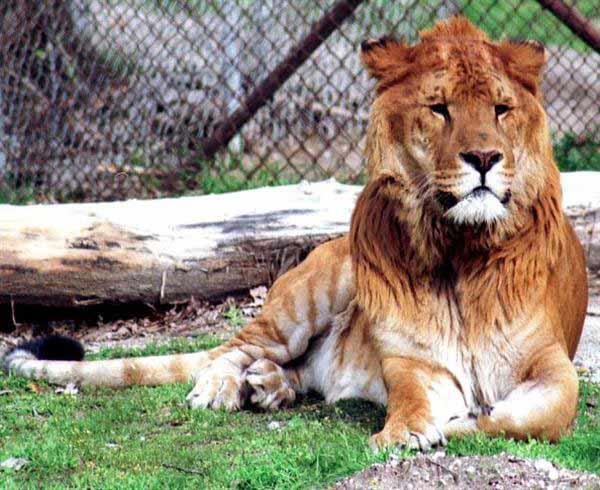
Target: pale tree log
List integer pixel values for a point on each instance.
(164, 251)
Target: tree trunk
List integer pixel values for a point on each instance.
(164, 251)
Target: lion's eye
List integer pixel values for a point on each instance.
(441, 109)
(501, 109)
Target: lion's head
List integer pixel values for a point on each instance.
(458, 118)
(461, 173)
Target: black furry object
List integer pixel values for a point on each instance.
(54, 348)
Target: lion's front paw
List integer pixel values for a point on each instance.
(391, 435)
(218, 385)
(269, 384)
(400, 435)
(460, 425)
(466, 423)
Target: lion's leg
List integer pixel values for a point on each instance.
(340, 364)
(301, 305)
(273, 386)
(543, 405)
(421, 399)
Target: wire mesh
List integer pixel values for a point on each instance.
(112, 99)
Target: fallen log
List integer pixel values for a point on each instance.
(166, 250)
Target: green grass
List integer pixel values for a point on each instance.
(520, 19)
(147, 438)
(234, 316)
(580, 451)
(179, 345)
(23, 195)
(577, 153)
(227, 174)
(571, 153)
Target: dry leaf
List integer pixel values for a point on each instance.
(34, 387)
(259, 295)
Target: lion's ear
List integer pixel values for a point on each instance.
(525, 62)
(383, 56)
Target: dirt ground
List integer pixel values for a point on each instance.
(503, 471)
(146, 324)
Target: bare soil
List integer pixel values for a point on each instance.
(503, 471)
(146, 324)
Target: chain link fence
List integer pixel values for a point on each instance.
(112, 99)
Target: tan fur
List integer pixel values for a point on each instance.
(457, 326)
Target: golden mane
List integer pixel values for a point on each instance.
(394, 229)
(457, 27)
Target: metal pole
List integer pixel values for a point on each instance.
(579, 25)
(320, 31)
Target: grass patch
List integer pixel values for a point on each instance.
(574, 153)
(229, 174)
(147, 438)
(234, 316)
(519, 19)
(579, 451)
(179, 345)
(15, 194)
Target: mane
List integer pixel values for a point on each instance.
(392, 244)
(455, 28)
(399, 236)
(395, 245)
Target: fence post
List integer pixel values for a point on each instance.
(228, 127)
(577, 23)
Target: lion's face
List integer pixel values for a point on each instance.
(464, 129)
(458, 125)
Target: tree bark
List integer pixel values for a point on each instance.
(166, 250)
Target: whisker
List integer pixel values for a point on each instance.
(449, 173)
(447, 181)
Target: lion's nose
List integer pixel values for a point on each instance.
(482, 161)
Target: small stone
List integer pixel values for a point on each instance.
(543, 465)
(70, 389)
(14, 463)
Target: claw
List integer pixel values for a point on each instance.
(486, 410)
(270, 385)
(218, 387)
(423, 440)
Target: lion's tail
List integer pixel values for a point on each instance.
(59, 360)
